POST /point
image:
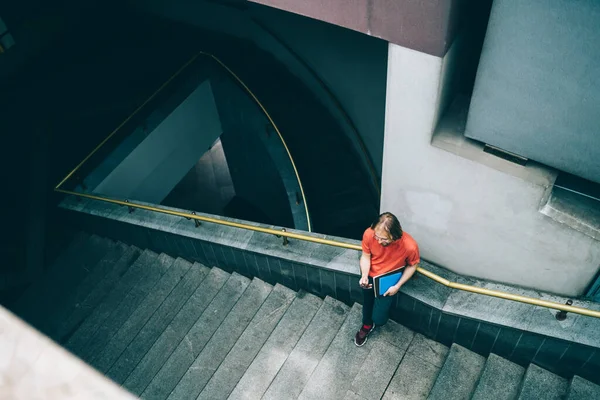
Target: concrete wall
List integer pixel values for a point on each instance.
(352, 65)
(35, 367)
(471, 218)
(153, 169)
(538, 84)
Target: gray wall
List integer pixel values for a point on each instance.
(352, 65)
(537, 91)
(471, 218)
(153, 169)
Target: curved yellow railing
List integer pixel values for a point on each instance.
(291, 235)
(161, 88)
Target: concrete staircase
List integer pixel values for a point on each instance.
(167, 328)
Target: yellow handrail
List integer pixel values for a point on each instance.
(431, 275)
(179, 71)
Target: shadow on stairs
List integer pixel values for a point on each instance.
(166, 328)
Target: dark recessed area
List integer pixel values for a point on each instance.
(505, 155)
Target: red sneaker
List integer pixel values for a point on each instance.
(362, 334)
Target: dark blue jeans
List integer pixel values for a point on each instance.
(376, 310)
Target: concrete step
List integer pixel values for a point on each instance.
(135, 274)
(459, 375)
(95, 249)
(215, 351)
(30, 297)
(108, 282)
(72, 249)
(128, 306)
(501, 379)
(334, 374)
(248, 345)
(269, 360)
(194, 341)
(388, 345)
(423, 355)
(540, 384)
(581, 389)
(55, 285)
(146, 355)
(67, 304)
(162, 317)
(311, 347)
(104, 358)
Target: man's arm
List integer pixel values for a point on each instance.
(365, 267)
(406, 274)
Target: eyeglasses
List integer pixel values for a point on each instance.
(383, 240)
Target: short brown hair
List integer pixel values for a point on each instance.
(388, 222)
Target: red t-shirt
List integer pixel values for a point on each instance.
(398, 254)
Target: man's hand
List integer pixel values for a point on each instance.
(364, 282)
(392, 291)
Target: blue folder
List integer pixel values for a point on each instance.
(381, 283)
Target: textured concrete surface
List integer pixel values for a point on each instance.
(128, 306)
(340, 364)
(350, 395)
(581, 389)
(501, 380)
(574, 210)
(248, 345)
(144, 357)
(428, 350)
(75, 263)
(135, 274)
(472, 228)
(394, 334)
(93, 298)
(215, 351)
(409, 384)
(277, 348)
(459, 374)
(377, 370)
(102, 360)
(423, 355)
(35, 367)
(541, 384)
(63, 305)
(85, 264)
(311, 347)
(523, 89)
(195, 340)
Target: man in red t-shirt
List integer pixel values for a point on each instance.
(384, 248)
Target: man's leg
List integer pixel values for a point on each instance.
(368, 302)
(381, 309)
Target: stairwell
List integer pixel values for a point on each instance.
(166, 328)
